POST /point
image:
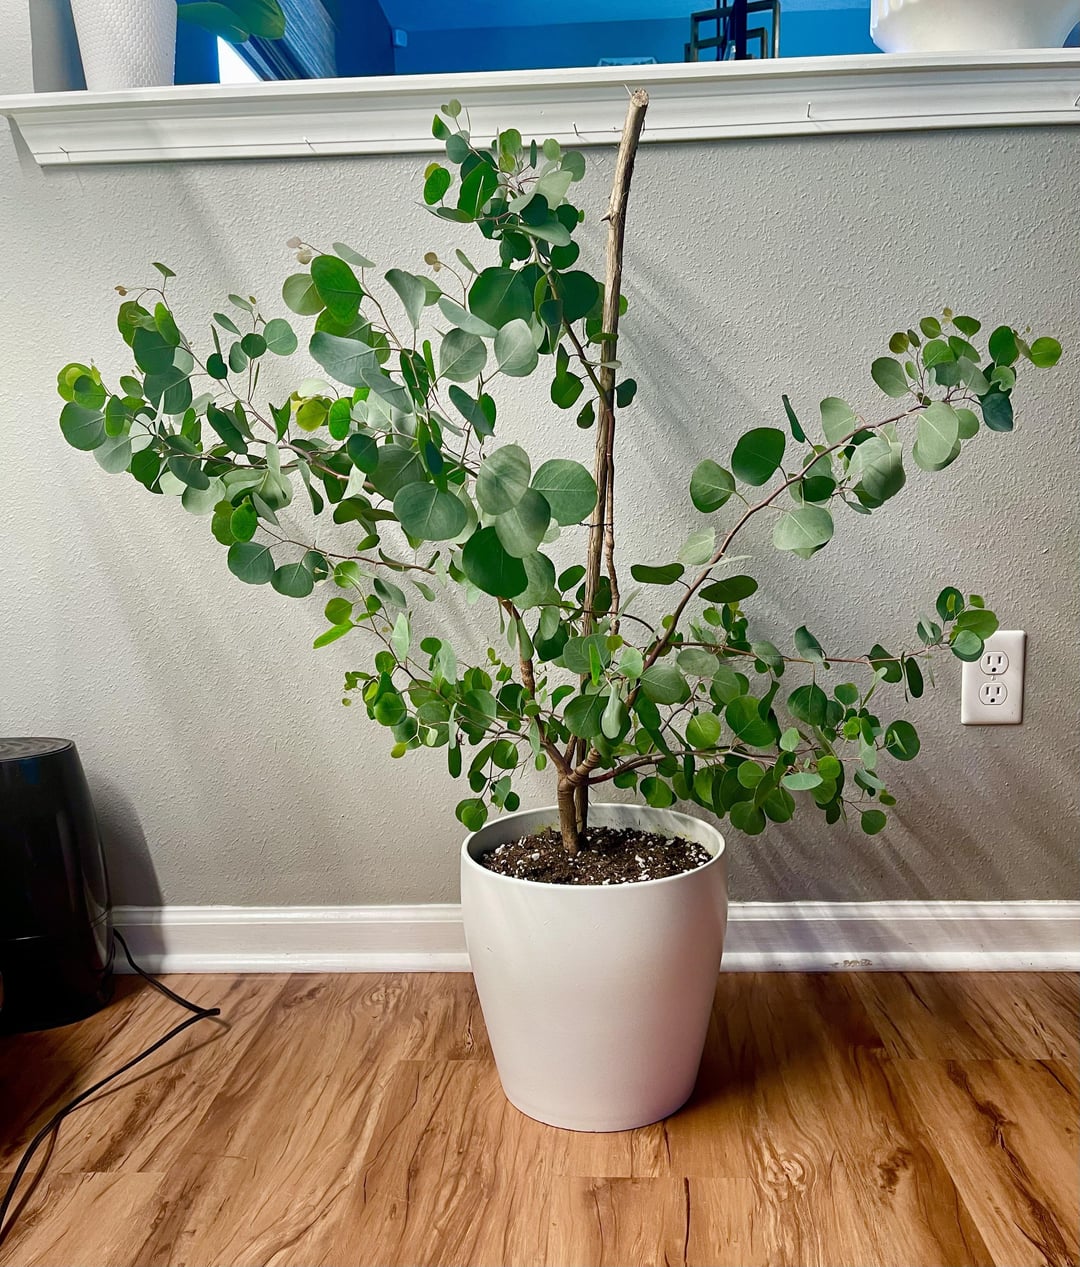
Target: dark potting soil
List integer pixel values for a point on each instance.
(609, 855)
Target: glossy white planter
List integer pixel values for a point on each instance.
(596, 997)
(954, 26)
(126, 43)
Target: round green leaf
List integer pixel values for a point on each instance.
(114, 455)
(502, 479)
(901, 741)
(521, 529)
(803, 531)
(347, 360)
(280, 337)
(490, 567)
(873, 821)
(890, 377)
(750, 774)
(729, 590)
(661, 574)
(293, 580)
(1045, 353)
(82, 428)
(757, 454)
(499, 295)
(967, 645)
(584, 715)
(978, 620)
(745, 816)
(745, 720)
(809, 704)
(515, 350)
(703, 730)
(301, 296)
(568, 489)
(997, 411)
(428, 512)
(363, 452)
(462, 356)
(251, 562)
(664, 684)
(1003, 346)
(802, 780)
(938, 431)
(710, 486)
(436, 183)
(578, 292)
(837, 419)
(337, 286)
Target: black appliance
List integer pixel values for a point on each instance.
(56, 943)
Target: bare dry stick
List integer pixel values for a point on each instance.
(601, 528)
(601, 545)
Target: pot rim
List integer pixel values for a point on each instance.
(718, 857)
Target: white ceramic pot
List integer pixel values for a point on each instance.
(954, 26)
(596, 997)
(126, 43)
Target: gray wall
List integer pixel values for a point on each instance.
(224, 766)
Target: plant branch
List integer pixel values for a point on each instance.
(601, 528)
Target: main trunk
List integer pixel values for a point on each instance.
(573, 814)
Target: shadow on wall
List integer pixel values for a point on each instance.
(132, 878)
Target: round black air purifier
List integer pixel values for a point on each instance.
(56, 942)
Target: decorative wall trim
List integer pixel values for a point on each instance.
(762, 936)
(700, 101)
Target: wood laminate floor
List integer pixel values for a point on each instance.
(845, 1120)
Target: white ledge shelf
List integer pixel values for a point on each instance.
(788, 97)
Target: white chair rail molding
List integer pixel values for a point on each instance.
(782, 97)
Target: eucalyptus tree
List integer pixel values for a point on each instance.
(397, 452)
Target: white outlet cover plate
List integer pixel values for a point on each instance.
(973, 712)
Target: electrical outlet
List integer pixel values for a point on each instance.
(992, 690)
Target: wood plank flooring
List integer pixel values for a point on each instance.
(840, 1120)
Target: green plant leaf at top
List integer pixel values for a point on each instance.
(347, 360)
(837, 419)
(251, 562)
(337, 285)
(1045, 353)
(890, 377)
(499, 296)
(568, 489)
(82, 428)
(235, 20)
(742, 715)
(757, 455)
(490, 567)
(710, 486)
(462, 356)
(412, 292)
(427, 512)
(521, 528)
(515, 350)
(502, 479)
(938, 432)
(803, 531)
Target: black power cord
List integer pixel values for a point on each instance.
(198, 1014)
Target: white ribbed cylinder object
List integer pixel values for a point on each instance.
(126, 43)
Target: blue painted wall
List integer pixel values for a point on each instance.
(802, 34)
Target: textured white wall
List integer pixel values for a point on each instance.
(225, 768)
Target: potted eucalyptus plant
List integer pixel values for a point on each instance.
(132, 43)
(595, 930)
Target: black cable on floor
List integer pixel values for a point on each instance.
(198, 1014)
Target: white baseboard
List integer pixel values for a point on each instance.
(762, 936)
